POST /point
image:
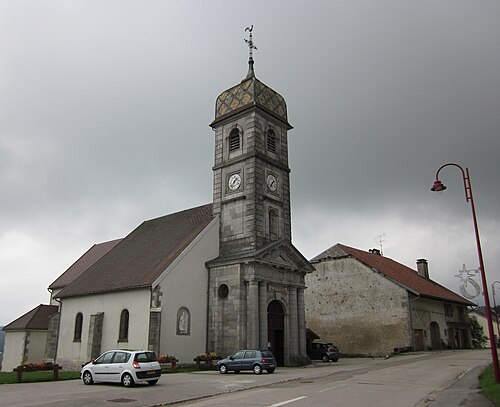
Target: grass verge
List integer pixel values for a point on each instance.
(488, 386)
(31, 377)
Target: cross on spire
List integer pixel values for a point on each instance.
(251, 47)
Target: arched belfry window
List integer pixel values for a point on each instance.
(78, 327)
(273, 224)
(234, 140)
(271, 141)
(123, 332)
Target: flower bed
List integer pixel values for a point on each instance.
(209, 358)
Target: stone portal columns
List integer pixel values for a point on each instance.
(302, 323)
(253, 315)
(263, 315)
(293, 325)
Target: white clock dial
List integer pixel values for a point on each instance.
(272, 183)
(234, 182)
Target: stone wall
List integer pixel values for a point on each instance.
(358, 309)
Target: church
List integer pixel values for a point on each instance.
(216, 278)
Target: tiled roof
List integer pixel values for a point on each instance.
(395, 271)
(140, 258)
(481, 311)
(250, 92)
(36, 319)
(83, 263)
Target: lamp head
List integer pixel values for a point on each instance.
(438, 186)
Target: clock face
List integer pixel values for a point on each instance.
(234, 182)
(271, 182)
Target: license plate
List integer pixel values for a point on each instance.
(151, 372)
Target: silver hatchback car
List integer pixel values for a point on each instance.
(123, 366)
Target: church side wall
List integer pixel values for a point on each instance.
(358, 309)
(184, 288)
(72, 354)
(13, 350)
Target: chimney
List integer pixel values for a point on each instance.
(375, 251)
(423, 268)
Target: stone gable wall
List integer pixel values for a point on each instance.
(358, 309)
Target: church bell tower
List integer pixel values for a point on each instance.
(257, 282)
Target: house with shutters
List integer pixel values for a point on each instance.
(368, 304)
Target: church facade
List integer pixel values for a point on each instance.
(257, 282)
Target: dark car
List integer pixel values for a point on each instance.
(248, 359)
(324, 351)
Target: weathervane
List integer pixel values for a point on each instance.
(466, 279)
(251, 47)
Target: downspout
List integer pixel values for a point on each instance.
(58, 329)
(58, 325)
(208, 309)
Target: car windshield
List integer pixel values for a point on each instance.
(145, 357)
(267, 354)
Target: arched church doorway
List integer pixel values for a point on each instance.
(276, 331)
(435, 336)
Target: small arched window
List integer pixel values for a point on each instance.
(234, 140)
(123, 333)
(271, 141)
(78, 327)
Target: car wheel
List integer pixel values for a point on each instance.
(223, 369)
(325, 358)
(87, 377)
(270, 370)
(127, 380)
(257, 369)
(152, 382)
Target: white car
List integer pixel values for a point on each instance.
(123, 366)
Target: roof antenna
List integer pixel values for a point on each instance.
(380, 241)
(251, 47)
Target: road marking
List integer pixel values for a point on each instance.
(331, 388)
(287, 402)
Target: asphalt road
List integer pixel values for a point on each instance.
(416, 380)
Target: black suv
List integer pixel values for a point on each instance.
(248, 359)
(324, 351)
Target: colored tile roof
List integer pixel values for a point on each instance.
(143, 255)
(395, 271)
(250, 92)
(36, 319)
(83, 263)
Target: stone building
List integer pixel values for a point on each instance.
(26, 337)
(257, 281)
(220, 277)
(369, 304)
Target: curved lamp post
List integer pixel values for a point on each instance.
(495, 304)
(438, 186)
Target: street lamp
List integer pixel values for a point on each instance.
(439, 186)
(495, 304)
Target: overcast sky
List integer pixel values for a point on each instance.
(105, 107)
